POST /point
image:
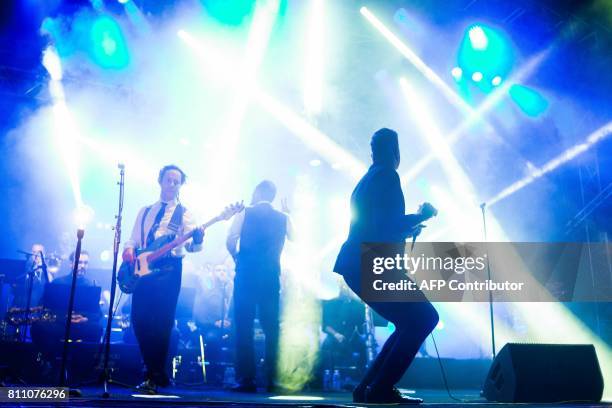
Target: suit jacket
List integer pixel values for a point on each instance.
(378, 214)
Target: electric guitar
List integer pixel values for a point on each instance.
(131, 272)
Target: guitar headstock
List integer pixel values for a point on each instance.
(231, 210)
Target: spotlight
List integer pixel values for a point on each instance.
(229, 12)
(478, 38)
(83, 215)
(109, 49)
(487, 50)
(496, 81)
(528, 100)
(457, 73)
(105, 255)
(477, 76)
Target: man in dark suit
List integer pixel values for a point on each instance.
(261, 231)
(378, 215)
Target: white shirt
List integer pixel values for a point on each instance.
(187, 226)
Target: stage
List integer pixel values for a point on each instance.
(202, 397)
(307, 195)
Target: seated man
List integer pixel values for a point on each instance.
(215, 304)
(86, 325)
(343, 322)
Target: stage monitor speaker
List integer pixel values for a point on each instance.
(544, 373)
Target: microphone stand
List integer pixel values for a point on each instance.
(29, 298)
(75, 267)
(484, 223)
(106, 370)
(45, 270)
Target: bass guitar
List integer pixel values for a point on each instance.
(131, 272)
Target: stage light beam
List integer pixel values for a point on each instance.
(594, 138)
(65, 131)
(477, 115)
(314, 58)
(52, 63)
(214, 65)
(265, 15)
(457, 179)
(448, 93)
(301, 317)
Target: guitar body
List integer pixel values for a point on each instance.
(129, 273)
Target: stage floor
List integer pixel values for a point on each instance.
(186, 397)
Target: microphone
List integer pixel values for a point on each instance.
(27, 254)
(417, 232)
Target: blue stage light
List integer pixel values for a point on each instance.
(528, 100)
(108, 48)
(231, 12)
(487, 51)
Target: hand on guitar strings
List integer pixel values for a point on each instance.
(128, 255)
(198, 236)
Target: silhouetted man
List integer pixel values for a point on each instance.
(261, 231)
(378, 215)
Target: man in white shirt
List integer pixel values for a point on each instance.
(156, 294)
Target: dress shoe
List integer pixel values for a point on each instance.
(147, 387)
(248, 387)
(388, 396)
(359, 394)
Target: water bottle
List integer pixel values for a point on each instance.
(229, 376)
(327, 380)
(336, 381)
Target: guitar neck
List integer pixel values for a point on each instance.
(163, 250)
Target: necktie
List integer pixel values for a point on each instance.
(155, 226)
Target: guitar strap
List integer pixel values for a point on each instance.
(177, 219)
(144, 217)
(175, 222)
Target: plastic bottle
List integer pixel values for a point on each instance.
(336, 381)
(229, 376)
(327, 380)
